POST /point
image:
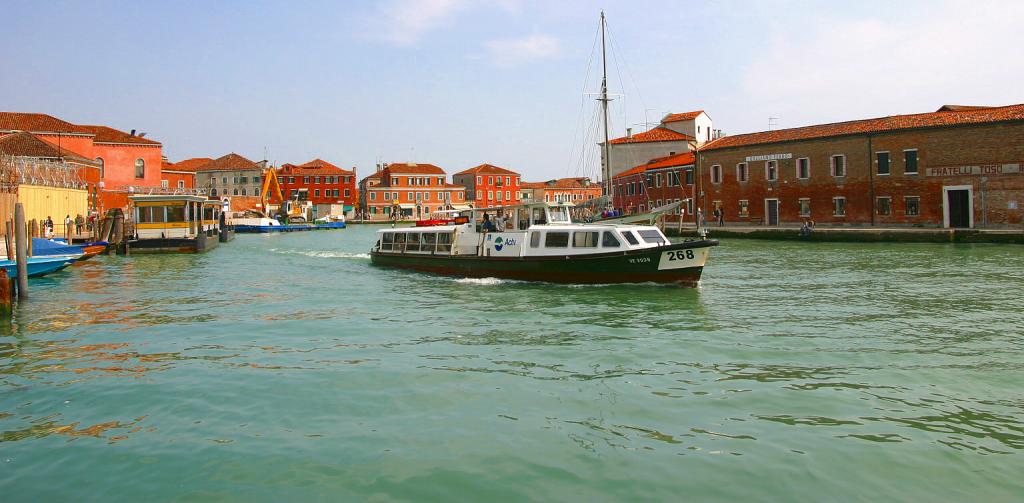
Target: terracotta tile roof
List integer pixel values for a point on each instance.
(487, 169)
(669, 161)
(36, 123)
(412, 168)
(230, 162)
(686, 116)
(25, 144)
(656, 134)
(957, 108)
(190, 165)
(882, 124)
(560, 183)
(315, 167)
(106, 134)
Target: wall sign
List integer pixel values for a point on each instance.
(984, 169)
(769, 157)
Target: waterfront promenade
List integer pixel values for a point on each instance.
(857, 234)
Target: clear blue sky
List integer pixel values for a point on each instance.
(459, 83)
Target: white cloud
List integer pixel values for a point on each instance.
(403, 22)
(952, 53)
(516, 51)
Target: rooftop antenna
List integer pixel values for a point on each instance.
(773, 122)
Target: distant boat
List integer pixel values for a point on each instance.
(37, 266)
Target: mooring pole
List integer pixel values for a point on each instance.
(9, 239)
(20, 243)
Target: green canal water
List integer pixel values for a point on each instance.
(287, 368)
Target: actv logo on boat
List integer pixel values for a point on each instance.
(499, 243)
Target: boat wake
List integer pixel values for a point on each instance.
(482, 281)
(323, 253)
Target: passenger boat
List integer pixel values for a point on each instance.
(541, 243)
(37, 266)
(174, 223)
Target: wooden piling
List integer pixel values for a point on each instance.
(21, 246)
(5, 294)
(9, 239)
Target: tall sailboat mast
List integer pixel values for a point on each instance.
(607, 174)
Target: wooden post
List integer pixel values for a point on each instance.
(9, 239)
(5, 294)
(28, 242)
(21, 245)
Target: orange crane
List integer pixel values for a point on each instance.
(292, 213)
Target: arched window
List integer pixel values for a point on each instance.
(243, 191)
(100, 160)
(140, 168)
(213, 192)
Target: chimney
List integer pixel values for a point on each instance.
(132, 133)
(629, 132)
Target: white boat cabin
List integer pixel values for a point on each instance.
(174, 216)
(530, 230)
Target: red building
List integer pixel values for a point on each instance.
(488, 185)
(660, 181)
(125, 159)
(323, 182)
(570, 190)
(956, 167)
(182, 174)
(413, 190)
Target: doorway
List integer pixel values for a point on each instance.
(771, 212)
(958, 206)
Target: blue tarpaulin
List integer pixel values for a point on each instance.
(43, 247)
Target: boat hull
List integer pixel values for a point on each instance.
(658, 265)
(37, 266)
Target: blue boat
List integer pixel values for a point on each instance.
(329, 225)
(37, 266)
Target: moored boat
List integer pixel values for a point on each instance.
(539, 242)
(37, 266)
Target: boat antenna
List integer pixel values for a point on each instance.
(604, 108)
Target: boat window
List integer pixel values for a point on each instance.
(652, 236)
(428, 241)
(556, 240)
(399, 241)
(585, 239)
(444, 242)
(559, 215)
(608, 240)
(151, 214)
(630, 238)
(524, 218)
(412, 242)
(538, 216)
(385, 241)
(176, 213)
(534, 240)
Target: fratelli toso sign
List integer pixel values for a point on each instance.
(768, 157)
(980, 170)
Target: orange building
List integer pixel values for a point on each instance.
(125, 160)
(412, 190)
(488, 185)
(182, 174)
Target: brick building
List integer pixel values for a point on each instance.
(571, 190)
(677, 133)
(956, 167)
(126, 160)
(660, 181)
(414, 190)
(488, 185)
(181, 174)
(231, 175)
(323, 183)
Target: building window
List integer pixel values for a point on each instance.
(305, 180)
(839, 165)
(223, 180)
(490, 195)
(508, 195)
(741, 172)
(803, 168)
(882, 159)
(316, 179)
(499, 196)
(213, 192)
(839, 206)
(316, 193)
(479, 179)
(744, 208)
(490, 180)
(140, 168)
(910, 162)
(771, 171)
(164, 184)
(291, 179)
(181, 184)
(716, 174)
(912, 206)
(256, 192)
(426, 196)
(234, 191)
(805, 206)
(689, 179)
(100, 161)
(347, 193)
(657, 179)
(883, 205)
(479, 195)
(243, 191)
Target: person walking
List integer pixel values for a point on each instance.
(721, 217)
(68, 223)
(79, 223)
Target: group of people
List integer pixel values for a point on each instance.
(78, 223)
(806, 228)
(499, 223)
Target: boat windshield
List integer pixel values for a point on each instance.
(559, 215)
